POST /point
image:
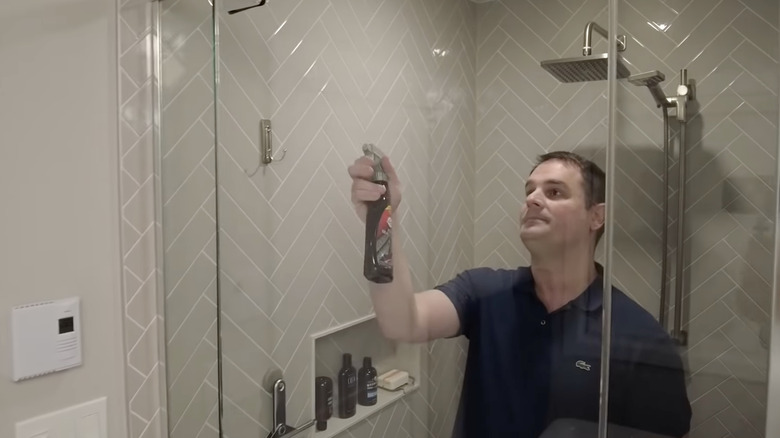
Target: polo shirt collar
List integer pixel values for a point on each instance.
(591, 299)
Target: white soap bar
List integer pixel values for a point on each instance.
(393, 379)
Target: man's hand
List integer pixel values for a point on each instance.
(365, 190)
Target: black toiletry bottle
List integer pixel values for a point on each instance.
(347, 388)
(367, 383)
(323, 401)
(378, 260)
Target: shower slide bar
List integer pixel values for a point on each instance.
(651, 80)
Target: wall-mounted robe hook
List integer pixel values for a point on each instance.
(266, 146)
(266, 143)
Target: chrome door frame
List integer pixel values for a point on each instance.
(773, 382)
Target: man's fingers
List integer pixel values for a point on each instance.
(387, 166)
(361, 168)
(363, 191)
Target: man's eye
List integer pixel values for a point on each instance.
(554, 192)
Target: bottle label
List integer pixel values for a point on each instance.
(383, 239)
(371, 389)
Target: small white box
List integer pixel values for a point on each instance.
(46, 337)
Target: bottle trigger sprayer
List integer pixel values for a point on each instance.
(378, 261)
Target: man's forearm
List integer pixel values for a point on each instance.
(394, 302)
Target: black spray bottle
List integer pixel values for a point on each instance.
(347, 388)
(367, 384)
(378, 261)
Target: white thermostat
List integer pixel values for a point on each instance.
(46, 338)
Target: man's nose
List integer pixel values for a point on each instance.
(533, 199)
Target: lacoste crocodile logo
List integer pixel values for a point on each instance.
(581, 364)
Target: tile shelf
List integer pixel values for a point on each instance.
(384, 399)
(360, 337)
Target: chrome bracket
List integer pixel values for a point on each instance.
(266, 147)
(280, 428)
(266, 144)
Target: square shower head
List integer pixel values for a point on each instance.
(584, 68)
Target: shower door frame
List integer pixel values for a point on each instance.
(773, 381)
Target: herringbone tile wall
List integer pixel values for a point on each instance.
(730, 48)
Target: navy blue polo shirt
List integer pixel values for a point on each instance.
(527, 367)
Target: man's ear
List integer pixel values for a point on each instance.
(597, 213)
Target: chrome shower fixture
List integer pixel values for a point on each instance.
(586, 39)
(588, 67)
(685, 91)
(583, 68)
(652, 81)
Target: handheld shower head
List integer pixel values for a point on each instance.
(651, 80)
(648, 79)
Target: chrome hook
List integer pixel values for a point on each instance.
(266, 147)
(274, 159)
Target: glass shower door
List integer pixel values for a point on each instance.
(264, 108)
(188, 233)
(696, 197)
(303, 84)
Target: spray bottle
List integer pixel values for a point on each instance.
(378, 261)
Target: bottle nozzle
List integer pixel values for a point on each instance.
(373, 152)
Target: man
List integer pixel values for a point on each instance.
(535, 332)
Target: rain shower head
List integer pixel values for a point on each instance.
(583, 68)
(651, 80)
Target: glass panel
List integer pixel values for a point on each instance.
(713, 299)
(187, 240)
(773, 386)
(455, 94)
(331, 76)
(549, 337)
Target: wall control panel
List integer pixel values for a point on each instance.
(46, 337)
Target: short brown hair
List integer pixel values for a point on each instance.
(593, 178)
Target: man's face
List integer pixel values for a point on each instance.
(554, 214)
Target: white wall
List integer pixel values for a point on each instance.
(59, 225)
